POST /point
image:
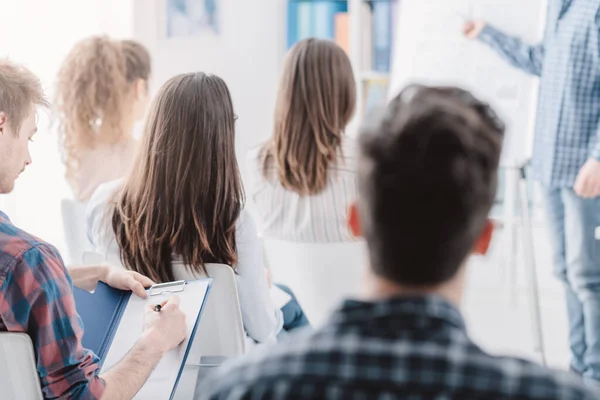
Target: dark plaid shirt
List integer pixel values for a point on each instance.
(403, 348)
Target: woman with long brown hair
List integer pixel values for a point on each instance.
(181, 206)
(302, 180)
(102, 90)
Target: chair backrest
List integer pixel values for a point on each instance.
(221, 329)
(74, 225)
(320, 274)
(19, 378)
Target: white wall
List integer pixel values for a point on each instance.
(39, 34)
(247, 54)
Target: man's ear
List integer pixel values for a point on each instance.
(3, 120)
(485, 238)
(354, 221)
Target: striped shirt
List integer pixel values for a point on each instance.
(36, 297)
(286, 215)
(568, 64)
(400, 348)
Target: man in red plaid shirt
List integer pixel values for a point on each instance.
(36, 289)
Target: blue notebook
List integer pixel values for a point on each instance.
(101, 314)
(113, 322)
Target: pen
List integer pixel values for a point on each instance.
(159, 307)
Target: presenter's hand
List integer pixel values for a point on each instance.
(165, 329)
(127, 280)
(587, 184)
(472, 29)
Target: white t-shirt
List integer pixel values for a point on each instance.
(320, 218)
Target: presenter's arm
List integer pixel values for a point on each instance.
(164, 331)
(527, 57)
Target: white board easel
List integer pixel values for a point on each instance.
(431, 49)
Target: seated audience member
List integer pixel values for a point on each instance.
(102, 91)
(182, 205)
(427, 177)
(303, 179)
(36, 290)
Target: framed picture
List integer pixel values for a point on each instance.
(186, 18)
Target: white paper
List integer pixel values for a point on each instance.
(279, 297)
(162, 380)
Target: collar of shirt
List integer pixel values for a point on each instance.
(4, 217)
(417, 308)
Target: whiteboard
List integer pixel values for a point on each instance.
(431, 49)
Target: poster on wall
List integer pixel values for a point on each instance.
(192, 17)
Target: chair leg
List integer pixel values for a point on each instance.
(530, 267)
(509, 261)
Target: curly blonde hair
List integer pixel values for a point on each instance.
(94, 93)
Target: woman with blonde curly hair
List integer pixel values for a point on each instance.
(102, 91)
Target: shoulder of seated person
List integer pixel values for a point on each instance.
(107, 188)
(254, 154)
(102, 195)
(242, 370)
(568, 382)
(16, 246)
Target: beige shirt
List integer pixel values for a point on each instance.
(102, 164)
(286, 215)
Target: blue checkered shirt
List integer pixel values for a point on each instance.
(403, 348)
(568, 64)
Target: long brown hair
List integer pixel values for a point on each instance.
(184, 193)
(316, 100)
(95, 89)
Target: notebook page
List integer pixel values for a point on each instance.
(160, 384)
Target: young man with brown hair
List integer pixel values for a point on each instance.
(427, 177)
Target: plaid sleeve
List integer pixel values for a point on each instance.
(36, 298)
(529, 58)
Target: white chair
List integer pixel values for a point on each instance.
(19, 378)
(320, 274)
(73, 215)
(221, 329)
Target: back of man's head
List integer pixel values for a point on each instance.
(427, 181)
(19, 90)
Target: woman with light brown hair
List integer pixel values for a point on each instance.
(102, 91)
(181, 206)
(302, 180)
